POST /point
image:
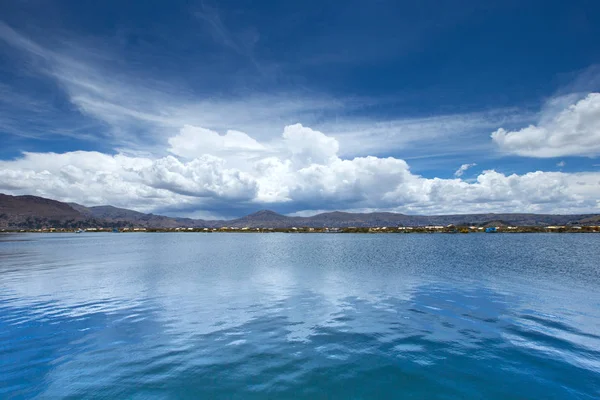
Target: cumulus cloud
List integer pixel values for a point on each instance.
(561, 164)
(461, 170)
(302, 170)
(206, 176)
(309, 146)
(572, 131)
(145, 184)
(194, 141)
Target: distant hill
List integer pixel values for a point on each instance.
(270, 219)
(123, 216)
(33, 212)
(263, 218)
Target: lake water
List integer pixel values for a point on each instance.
(336, 316)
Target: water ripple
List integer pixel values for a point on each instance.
(296, 317)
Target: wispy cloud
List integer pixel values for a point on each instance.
(462, 169)
(422, 137)
(142, 114)
(241, 43)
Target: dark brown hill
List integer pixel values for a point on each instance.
(29, 211)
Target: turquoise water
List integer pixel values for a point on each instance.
(336, 316)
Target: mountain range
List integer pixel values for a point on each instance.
(32, 212)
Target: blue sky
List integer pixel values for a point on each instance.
(416, 107)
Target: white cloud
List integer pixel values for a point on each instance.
(572, 131)
(206, 176)
(561, 164)
(309, 146)
(361, 182)
(194, 141)
(144, 184)
(302, 170)
(461, 170)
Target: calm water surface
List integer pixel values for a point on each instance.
(248, 316)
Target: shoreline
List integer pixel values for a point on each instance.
(362, 230)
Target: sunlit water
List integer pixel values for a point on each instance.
(310, 316)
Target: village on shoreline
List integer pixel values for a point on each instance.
(383, 229)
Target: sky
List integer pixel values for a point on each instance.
(216, 109)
